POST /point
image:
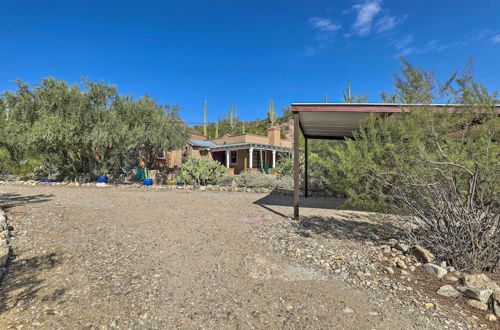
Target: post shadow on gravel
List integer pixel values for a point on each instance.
(21, 283)
(286, 200)
(349, 226)
(9, 200)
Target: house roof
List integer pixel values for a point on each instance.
(201, 143)
(247, 145)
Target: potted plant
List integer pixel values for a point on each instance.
(101, 176)
(147, 180)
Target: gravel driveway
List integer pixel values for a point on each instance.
(89, 257)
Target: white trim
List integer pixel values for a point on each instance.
(250, 158)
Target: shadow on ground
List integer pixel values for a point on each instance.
(345, 224)
(8, 200)
(22, 283)
(348, 226)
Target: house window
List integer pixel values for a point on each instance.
(234, 157)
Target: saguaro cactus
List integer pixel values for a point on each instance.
(205, 118)
(347, 97)
(271, 115)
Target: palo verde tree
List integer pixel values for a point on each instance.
(85, 131)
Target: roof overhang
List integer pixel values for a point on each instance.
(341, 120)
(248, 145)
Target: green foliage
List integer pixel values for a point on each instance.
(202, 171)
(271, 115)
(395, 143)
(86, 131)
(284, 166)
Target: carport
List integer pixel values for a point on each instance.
(334, 121)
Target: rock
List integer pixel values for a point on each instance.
(477, 304)
(443, 264)
(483, 295)
(448, 291)
(347, 310)
(401, 264)
(429, 305)
(422, 254)
(404, 272)
(491, 317)
(4, 255)
(480, 281)
(451, 278)
(495, 303)
(435, 270)
(389, 270)
(402, 247)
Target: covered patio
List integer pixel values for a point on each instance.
(239, 155)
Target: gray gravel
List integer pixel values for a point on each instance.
(90, 257)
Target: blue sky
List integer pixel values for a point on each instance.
(184, 52)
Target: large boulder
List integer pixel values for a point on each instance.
(480, 281)
(422, 254)
(483, 295)
(495, 303)
(448, 291)
(435, 270)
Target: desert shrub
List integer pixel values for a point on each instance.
(202, 171)
(284, 166)
(258, 180)
(439, 170)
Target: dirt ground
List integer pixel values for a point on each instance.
(89, 257)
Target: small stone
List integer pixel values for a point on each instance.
(429, 305)
(404, 272)
(389, 270)
(477, 304)
(347, 310)
(4, 255)
(483, 295)
(401, 264)
(443, 264)
(402, 247)
(289, 307)
(491, 317)
(422, 254)
(451, 278)
(435, 270)
(448, 291)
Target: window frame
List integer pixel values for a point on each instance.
(235, 157)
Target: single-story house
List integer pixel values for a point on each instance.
(236, 152)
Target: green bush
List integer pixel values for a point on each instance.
(438, 168)
(202, 171)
